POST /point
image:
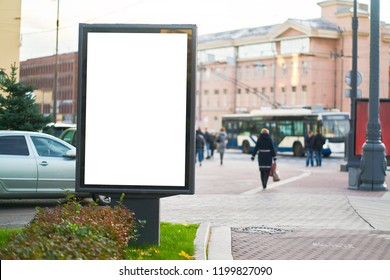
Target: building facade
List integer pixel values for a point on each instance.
(293, 64)
(39, 72)
(10, 16)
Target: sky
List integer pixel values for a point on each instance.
(38, 25)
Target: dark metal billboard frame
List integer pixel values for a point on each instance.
(84, 30)
(143, 199)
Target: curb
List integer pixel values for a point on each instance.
(201, 241)
(220, 244)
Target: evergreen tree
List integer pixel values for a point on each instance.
(18, 110)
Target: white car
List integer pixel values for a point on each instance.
(37, 165)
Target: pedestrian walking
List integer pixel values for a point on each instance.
(318, 143)
(207, 139)
(266, 152)
(201, 132)
(221, 140)
(199, 146)
(213, 143)
(309, 148)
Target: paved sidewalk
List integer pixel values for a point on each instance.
(309, 214)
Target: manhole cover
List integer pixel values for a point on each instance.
(261, 230)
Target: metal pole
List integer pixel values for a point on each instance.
(373, 163)
(274, 73)
(352, 160)
(334, 57)
(235, 80)
(56, 66)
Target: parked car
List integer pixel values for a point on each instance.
(57, 128)
(69, 135)
(37, 165)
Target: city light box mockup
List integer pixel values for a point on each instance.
(136, 109)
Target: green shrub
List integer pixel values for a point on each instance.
(6, 233)
(73, 231)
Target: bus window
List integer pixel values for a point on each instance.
(233, 131)
(285, 128)
(298, 128)
(308, 127)
(272, 129)
(243, 127)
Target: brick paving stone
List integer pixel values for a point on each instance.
(312, 244)
(323, 219)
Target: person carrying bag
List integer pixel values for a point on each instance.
(266, 152)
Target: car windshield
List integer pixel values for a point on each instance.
(48, 147)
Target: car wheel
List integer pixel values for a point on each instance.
(102, 199)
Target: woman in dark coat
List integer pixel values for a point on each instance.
(266, 152)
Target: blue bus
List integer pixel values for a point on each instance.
(288, 128)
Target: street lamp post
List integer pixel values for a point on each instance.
(353, 161)
(56, 66)
(373, 162)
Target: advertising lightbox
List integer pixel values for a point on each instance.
(136, 109)
(361, 119)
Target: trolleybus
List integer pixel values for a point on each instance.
(288, 128)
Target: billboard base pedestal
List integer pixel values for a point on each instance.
(147, 212)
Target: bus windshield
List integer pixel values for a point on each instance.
(335, 128)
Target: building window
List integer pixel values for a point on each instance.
(207, 74)
(205, 99)
(211, 55)
(284, 69)
(225, 100)
(293, 95)
(291, 46)
(304, 95)
(305, 68)
(247, 72)
(263, 95)
(216, 98)
(256, 50)
(225, 73)
(264, 71)
(255, 97)
(283, 97)
(256, 72)
(239, 73)
(217, 74)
